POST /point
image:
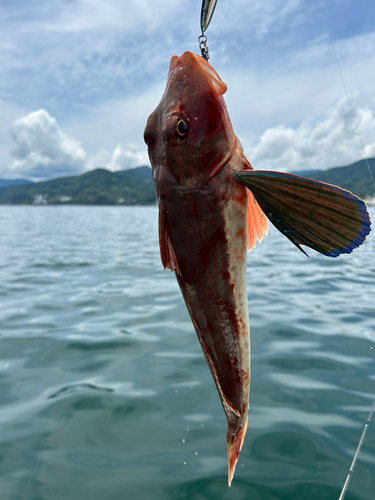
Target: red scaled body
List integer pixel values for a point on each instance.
(207, 219)
(204, 219)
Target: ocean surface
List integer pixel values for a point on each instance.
(104, 390)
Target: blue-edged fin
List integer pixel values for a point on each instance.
(321, 216)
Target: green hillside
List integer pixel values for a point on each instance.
(98, 187)
(135, 187)
(355, 177)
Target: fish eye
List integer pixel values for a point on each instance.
(181, 128)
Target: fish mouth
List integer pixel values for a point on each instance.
(190, 62)
(214, 78)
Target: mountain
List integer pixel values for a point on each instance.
(135, 186)
(97, 187)
(355, 177)
(305, 173)
(13, 182)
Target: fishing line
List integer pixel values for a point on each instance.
(350, 473)
(349, 476)
(355, 121)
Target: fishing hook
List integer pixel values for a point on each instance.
(202, 40)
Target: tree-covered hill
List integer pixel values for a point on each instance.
(98, 187)
(135, 187)
(355, 177)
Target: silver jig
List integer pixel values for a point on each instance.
(207, 11)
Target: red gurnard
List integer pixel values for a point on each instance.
(208, 220)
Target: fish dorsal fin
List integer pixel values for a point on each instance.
(321, 216)
(167, 253)
(257, 224)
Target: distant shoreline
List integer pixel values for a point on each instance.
(136, 187)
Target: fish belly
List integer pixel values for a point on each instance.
(208, 232)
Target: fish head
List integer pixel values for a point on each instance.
(190, 132)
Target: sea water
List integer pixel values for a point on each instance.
(105, 393)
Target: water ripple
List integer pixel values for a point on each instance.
(104, 389)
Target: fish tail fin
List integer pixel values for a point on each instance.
(234, 445)
(324, 217)
(257, 224)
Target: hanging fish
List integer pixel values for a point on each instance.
(208, 220)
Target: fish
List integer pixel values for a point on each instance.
(214, 207)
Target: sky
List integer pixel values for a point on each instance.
(79, 78)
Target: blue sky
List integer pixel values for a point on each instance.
(79, 78)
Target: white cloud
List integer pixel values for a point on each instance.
(102, 65)
(9, 113)
(43, 150)
(332, 141)
(99, 62)
(121, 159)
(257, 18)
(117, 121)
(82, 16)
(298, 85)
(85, 50)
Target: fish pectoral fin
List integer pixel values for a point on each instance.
(257, 224)
(167, 253)
(324, 217)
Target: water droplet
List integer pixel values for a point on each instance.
(202, 425)
(196, 453)
(191, 387)
(183, 440)
(184, 463)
